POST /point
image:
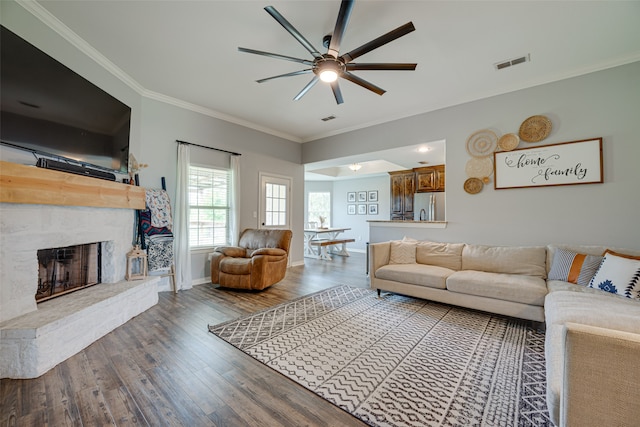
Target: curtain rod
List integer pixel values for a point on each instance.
(210, 148)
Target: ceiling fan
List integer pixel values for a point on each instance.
(330, 66)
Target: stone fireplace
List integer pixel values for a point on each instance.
(36, 337)
(27, 228)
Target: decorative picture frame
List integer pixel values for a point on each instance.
(362, 196)
(373, 196)
(362, 209)
(567, 163)
(373, 209)
(351, 196)
(351, 209)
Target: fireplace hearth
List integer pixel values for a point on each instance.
(67, 269)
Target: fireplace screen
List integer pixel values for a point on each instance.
(64, 270)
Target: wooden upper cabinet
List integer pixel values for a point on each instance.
(430, 179)
(402, 189)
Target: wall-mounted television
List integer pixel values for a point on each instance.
(50, 110)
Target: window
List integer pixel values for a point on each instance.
(209, 208)
(275, 203)
(319, 204)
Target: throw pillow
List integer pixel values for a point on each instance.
(573, 267)
(618, 275)
(609, 251)
(402, 253)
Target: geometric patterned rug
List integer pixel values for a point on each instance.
(401, 361)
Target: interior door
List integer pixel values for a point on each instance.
(275, 201)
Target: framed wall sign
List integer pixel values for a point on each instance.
(373, 196)
(567, 163)
(351, 196)
(351, 209)
(373, 209)
(362, 196)
(362, 209)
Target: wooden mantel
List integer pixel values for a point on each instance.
(33, 185)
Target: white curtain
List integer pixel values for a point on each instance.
(181, 226)
(234, 219)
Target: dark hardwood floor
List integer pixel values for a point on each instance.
(163, 368)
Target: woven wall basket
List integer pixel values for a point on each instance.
(535, 128)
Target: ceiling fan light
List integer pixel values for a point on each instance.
(328, 76)
(355, 166)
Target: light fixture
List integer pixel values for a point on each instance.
(423, 149)
(328, 76)
(355, 166)
(328, 69)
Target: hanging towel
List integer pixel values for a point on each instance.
(147, 228)
(160, 207)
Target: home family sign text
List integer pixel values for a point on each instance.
(568, 163)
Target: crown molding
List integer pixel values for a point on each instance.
(216, 114)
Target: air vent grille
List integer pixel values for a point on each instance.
(510, 62)
(326, 119)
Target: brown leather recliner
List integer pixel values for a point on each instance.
(259, 260)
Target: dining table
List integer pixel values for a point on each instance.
(329, 233)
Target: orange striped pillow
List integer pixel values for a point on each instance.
(573, 267)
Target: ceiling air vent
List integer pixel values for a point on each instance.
(326, 119)
(510, 62)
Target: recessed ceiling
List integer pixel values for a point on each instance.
(188, 51)
(402, 158)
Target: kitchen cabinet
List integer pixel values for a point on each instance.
(430, 179)
(402, 188)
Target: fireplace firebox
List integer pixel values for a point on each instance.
(67, 269)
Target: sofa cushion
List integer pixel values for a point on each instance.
(415, 274)
(402, 253)
(526, 260)
(448, 255)
(559, 285)
(507, 287)
(574, 267)
(618, 275)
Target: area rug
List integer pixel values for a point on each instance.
(401, 361)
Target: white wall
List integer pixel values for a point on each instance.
(163, 124)
(357, 223)
(601, 104)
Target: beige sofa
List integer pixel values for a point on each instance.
(503, 280)
(592, 337)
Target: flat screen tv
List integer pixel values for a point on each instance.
(50, 110)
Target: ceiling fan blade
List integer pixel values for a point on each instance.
(361, 82)
(337, 93)
(305, 89)
(381, 66)
(341, 25)
(276, 55)
(380, 41)
(295, 73)
(290, 28)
